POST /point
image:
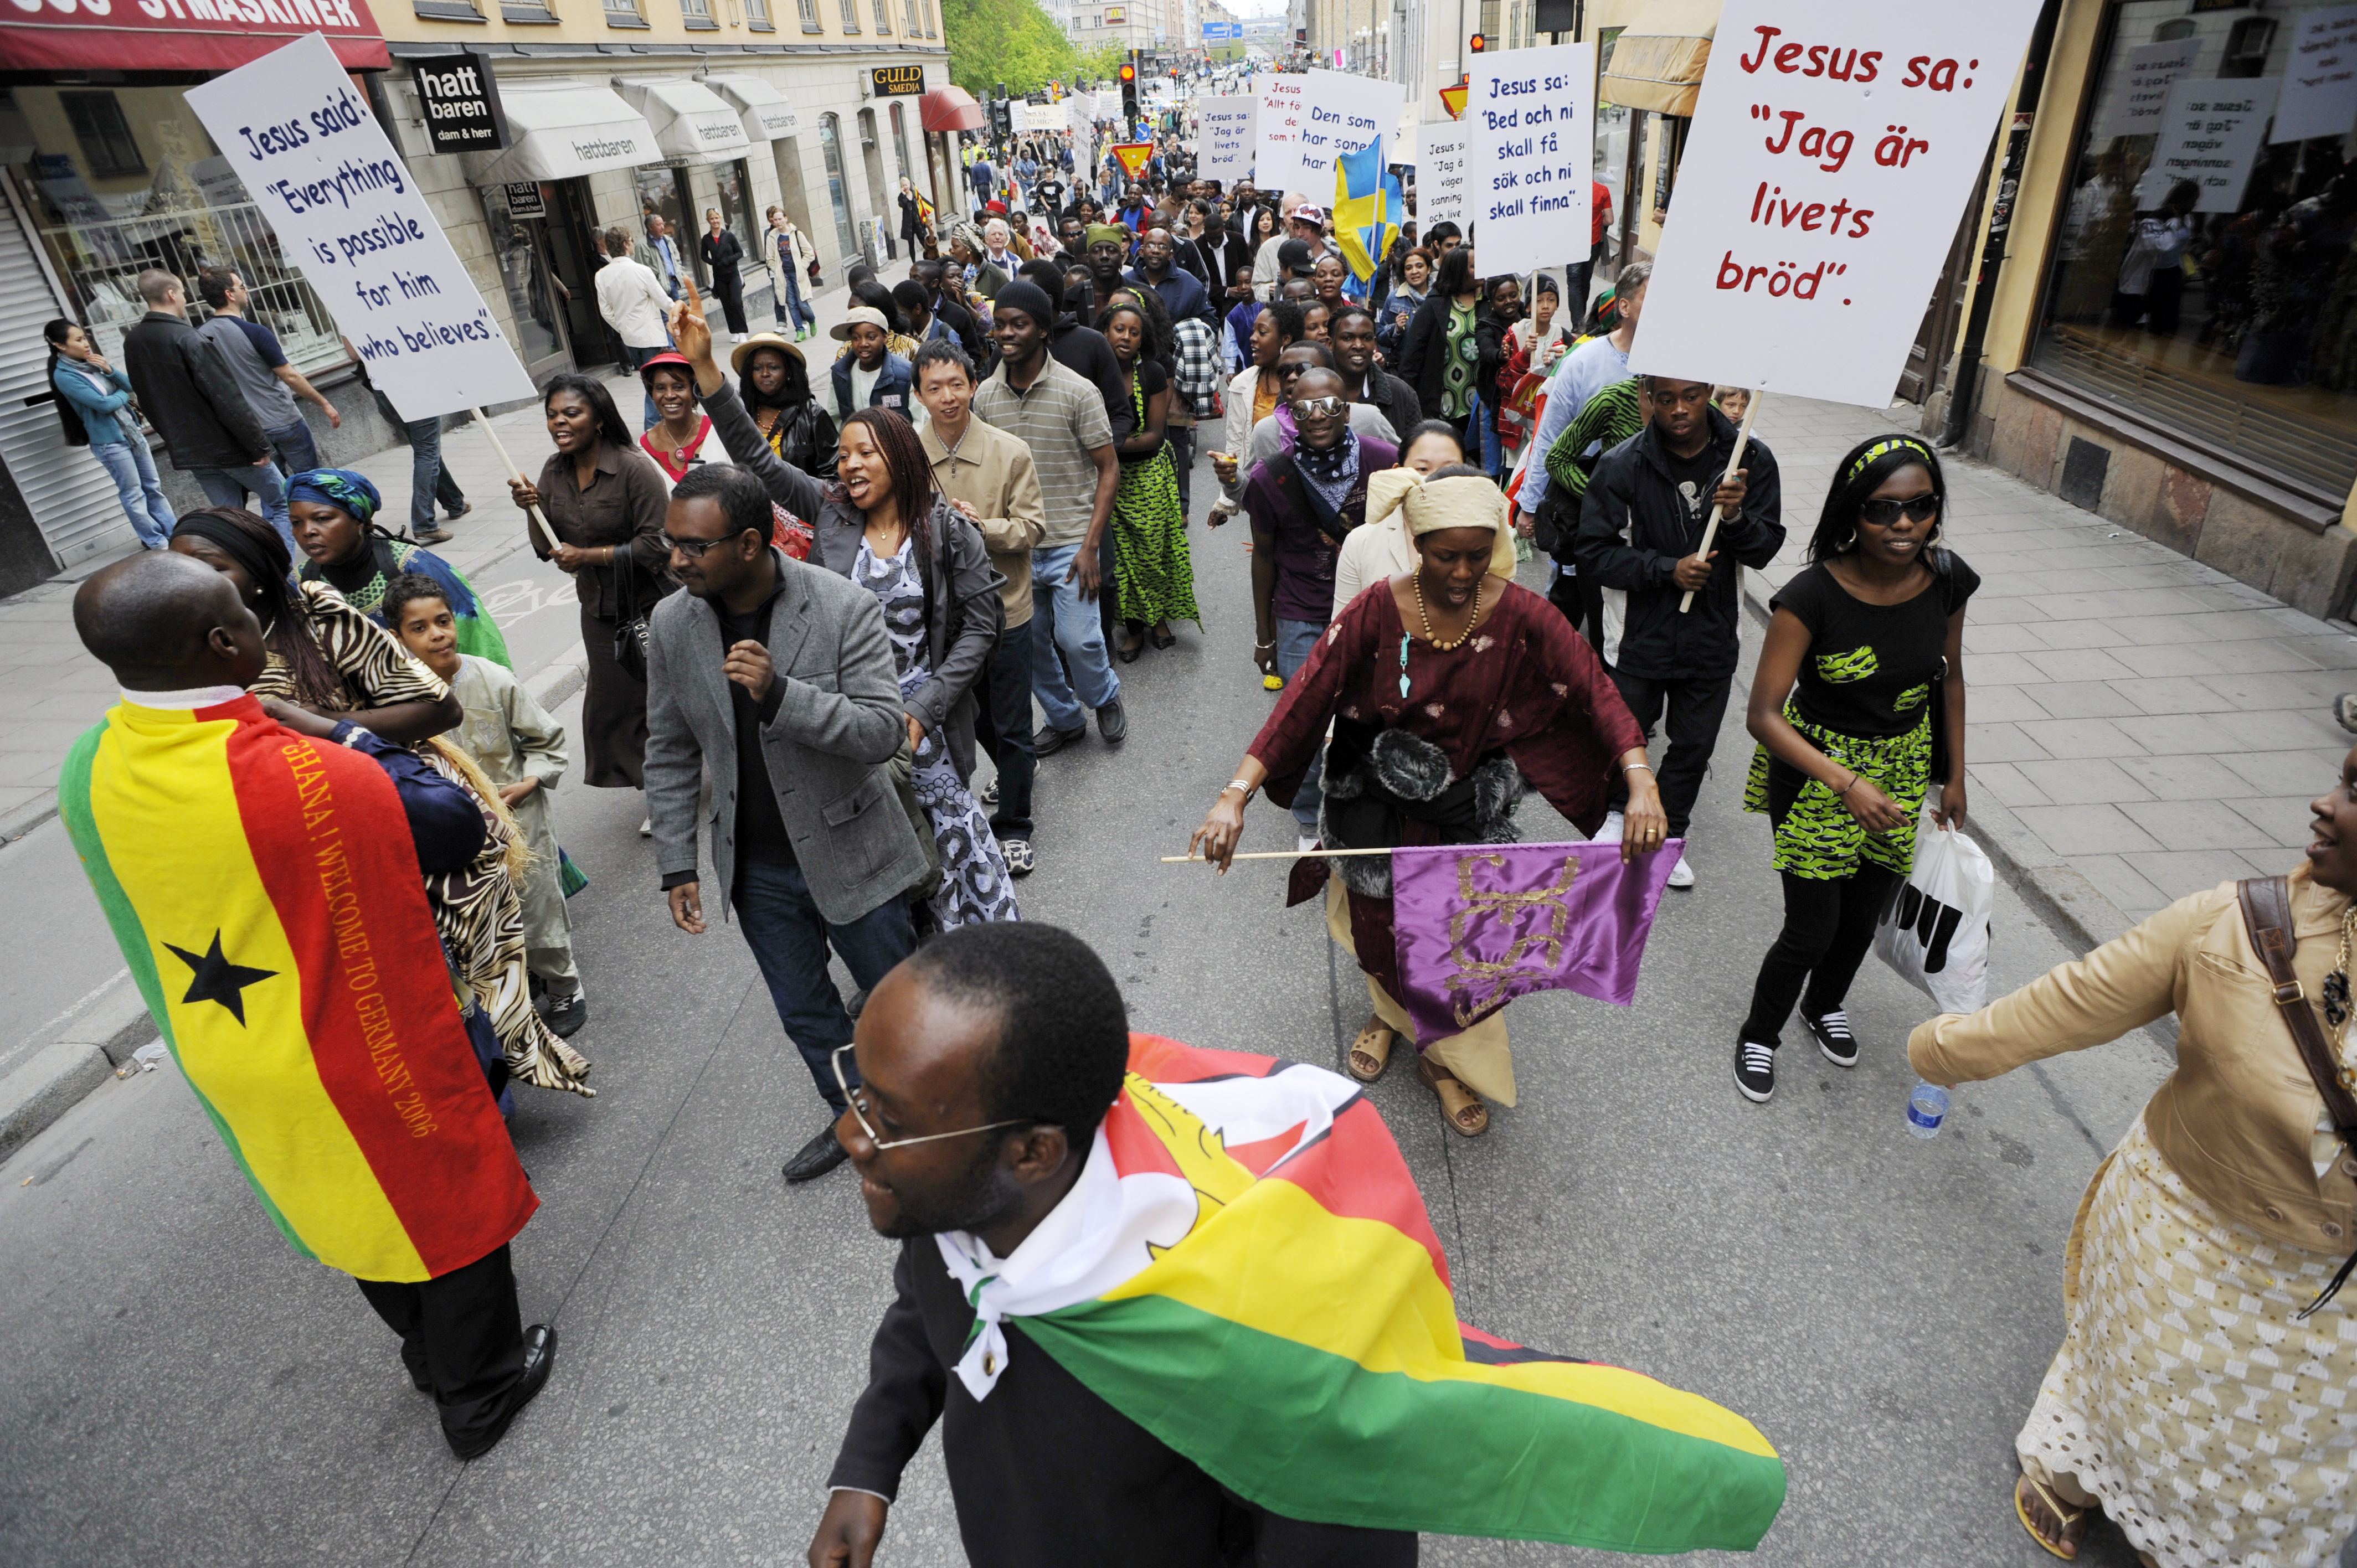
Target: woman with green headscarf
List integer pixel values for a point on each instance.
(333, 512)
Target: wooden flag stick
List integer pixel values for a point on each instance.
(539, 524)
(1734, 461)
(1276, 854)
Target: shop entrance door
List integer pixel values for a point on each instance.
(573, 253)
(536, 292)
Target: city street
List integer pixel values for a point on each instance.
(180, 1388)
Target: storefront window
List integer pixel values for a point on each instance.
(736, 212)
(122, 179)
(663, 193)
(517, 216)
(900, 141)
(2222, 306)
(830, 141)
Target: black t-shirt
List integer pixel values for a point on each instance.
(761, 832)
(1696, 480)
(1152, 380)
(1870, 668)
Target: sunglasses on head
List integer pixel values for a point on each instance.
(1883, 513)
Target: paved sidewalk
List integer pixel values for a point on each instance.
(2141, 727)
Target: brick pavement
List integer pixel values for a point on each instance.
(2140, 726)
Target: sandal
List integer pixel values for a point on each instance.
(1459, 1106)
(1374, 1045)
(2072, 1522)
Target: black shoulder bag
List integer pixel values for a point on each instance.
(2266, 918)
(630, 626)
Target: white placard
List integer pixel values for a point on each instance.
(1345, 114)
(1224, 136)
(2209, 134)
(2320, 85)
(1440, 176)
(1808, 228)
(1530, 126)
(2139, 88)
(346, 211)
(1277, 131)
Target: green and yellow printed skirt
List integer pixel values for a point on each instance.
(1154, 576)
(1816, 837)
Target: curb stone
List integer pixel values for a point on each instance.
(44, 1087)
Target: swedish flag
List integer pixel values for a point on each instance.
(1368, 207)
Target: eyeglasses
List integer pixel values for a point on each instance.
(851, 1098)
(1321, 408)
(694, 549)
(1883, 513)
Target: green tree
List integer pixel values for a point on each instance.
(1013, 41)
(1104, 63)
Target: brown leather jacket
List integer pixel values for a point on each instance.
(2237, 1118)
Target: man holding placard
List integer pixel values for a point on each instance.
(1641, 531)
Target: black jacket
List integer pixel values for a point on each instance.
(186, 391)
(1424, 353)
(1395, 399)
(1084, 352)
(1490, 330)
(1045, 1473)
(1634, 528)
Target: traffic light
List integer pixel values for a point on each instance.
(1480, 41)
(1129, 88)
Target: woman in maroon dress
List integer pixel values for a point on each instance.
(1448, 690)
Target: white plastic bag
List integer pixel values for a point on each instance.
(1936, 932)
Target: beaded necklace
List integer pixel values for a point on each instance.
(1416, 578)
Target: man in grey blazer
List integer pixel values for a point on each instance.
(776, 681)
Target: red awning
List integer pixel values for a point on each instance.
(951, 109)
(184, 34)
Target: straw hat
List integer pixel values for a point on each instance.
(744, 351)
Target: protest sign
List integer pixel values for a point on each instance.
(2208, 134)
(2319, 90)
(1277, 129)
(1440, 174)
(1801, 249)
(2138, 90)
(1224, 134)
(300, 137)
(1345, 114)
(1529, 153)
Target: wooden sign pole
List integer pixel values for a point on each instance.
(1734, 461)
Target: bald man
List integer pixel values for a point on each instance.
(261, 867)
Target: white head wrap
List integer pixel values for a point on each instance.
(1425, 506)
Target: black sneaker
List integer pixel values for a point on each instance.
(1755, 1072)
(1833, 1038)
(566, 1015)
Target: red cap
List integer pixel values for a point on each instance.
(995, 207)
(668, 357)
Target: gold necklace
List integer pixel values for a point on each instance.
(1426, 617)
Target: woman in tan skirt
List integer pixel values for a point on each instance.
(2201, 1395)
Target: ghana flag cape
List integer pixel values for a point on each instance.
(1245, 1269)
(264, 889)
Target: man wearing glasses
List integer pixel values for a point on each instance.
(778, 679)
(990, 1058)
(1301, 503)
(1641, 530)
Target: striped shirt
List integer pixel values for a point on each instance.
(1062, 419)
(1605, 421)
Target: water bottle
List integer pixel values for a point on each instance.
(1927, 1107)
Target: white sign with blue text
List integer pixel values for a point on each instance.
(1834, 147)
(1529, 124)
(300, 137)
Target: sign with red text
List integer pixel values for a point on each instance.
(1529, 124)
(1834, 145)
(347, 210)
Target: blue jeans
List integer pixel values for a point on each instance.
(1295, 640)
(1486, 418)
(1061, 618)
(229, 487)
(634, 357)
(297, 453)
(793, 310)
(790, 940)
(142, 494)
(429, 479)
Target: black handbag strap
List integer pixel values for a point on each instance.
(2266, 919)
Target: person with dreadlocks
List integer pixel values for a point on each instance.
(333, 512)
(325, 657)
(885, 524)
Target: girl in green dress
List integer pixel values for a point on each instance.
(1155, 575)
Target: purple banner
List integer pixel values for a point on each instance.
(1481, 924)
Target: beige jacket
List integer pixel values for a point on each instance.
(2237, 1119)
(993, 473)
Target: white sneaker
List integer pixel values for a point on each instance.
(646, 827)
(1305, 843)
(1682, 875)
(1610, 831)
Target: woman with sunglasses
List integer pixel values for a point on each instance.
(1858, 706)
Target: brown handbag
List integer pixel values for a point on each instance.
(2266, 918)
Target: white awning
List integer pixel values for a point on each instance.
(560, 129)
(690, 121)
(761, 108)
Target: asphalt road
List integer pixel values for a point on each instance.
(176, 1388)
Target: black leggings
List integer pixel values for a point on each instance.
(1828, 926)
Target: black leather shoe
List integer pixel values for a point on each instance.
(1047, 739)
(539, 1360)
(817, 1157)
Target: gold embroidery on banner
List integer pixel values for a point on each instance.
(1471, 974)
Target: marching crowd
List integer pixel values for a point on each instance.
(813, 595)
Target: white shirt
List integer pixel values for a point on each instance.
(633, 302)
